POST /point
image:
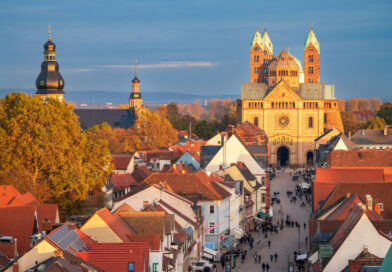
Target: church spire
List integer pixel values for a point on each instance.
(312, 39)
(135, 100)
(50, 82)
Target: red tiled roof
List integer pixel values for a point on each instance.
(7, 194)
(124, 208)
(115, 261)
(121, 181)
(140, 173)
(360, 158)
(154, 240)
(343, 210)
(17, 222)
(194, 186)
(119, 247)
(121, 162)
(380, 192)
(337, 175)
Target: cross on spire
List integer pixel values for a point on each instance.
(136, 68)
(49, 32)
(311, 25)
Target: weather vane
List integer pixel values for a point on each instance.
(135, 68)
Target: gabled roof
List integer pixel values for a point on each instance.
(386, 265)
(121, 161)
(115, 223)
(277, 87)
(253, 91)
(140, 173)
(312, 39)
(257, 39)
(121, 118)
(337, 175)
(283, 60)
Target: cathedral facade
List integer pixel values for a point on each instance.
(289, 103)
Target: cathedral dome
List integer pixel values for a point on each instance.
(50, 46)
(135, 80)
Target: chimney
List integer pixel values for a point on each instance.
(349, 135)
(369, 202)
(386, 131)
(15, 267)
(348, 195)
(377, 209)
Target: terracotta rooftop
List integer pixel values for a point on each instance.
(140, 173)
(372, 137)
(121, 181)
(360, 158)
(337, 175)
(121, 161)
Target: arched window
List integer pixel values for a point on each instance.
(256, 121)
(325, 118)
(261, 105)
(293, 105)
(310, 122)
(249, 104)
(272, 104)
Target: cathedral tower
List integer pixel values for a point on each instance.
(49, 82)
(135, 100)
(312, 58)
(261, 52)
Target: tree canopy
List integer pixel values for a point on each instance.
(44, 151)
(385, 112)
(374, 123)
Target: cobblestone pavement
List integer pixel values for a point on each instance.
(286, 241)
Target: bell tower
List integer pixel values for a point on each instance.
(261, 52)
(135, 100)
(50, 82)
(312, 58)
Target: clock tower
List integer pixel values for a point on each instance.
(135, 100)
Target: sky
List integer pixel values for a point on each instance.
(195, 47)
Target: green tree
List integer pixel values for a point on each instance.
(205, 129)
(374, 123)
(44, 151)
(385, 112)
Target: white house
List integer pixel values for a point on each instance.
(233, 151)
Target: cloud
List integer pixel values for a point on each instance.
(167, 65)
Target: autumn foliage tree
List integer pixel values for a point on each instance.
(44, 151)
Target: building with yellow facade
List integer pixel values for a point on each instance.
(288, 103)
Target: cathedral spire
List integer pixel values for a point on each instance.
(256, 39)
(312, 39)
(135, 100)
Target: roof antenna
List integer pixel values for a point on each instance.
(49, 32)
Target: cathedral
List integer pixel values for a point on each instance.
(288, 101)
(50, 83)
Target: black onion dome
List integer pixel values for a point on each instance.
(50, 46)
(135, 80)
(49, 80)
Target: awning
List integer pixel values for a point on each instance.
(228, 242)
(209, 253)
(305, 185)
(261, 214)
(238, 233)
(271, 211)
(301, 257)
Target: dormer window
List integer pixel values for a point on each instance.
(42, 83)
(61, 83)
(265, 52)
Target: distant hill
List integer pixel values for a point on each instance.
(103, 97)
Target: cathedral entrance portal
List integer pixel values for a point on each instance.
(283, 156)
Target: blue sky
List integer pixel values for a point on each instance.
(198, 47)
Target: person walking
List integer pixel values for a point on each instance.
(269, 244)
(255, 257)
(263, 267)
(267, 267)
(304, 225)
(272, 257)
(259, 258)
(276, 257)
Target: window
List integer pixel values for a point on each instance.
(212, 229)
(262, 197)
(255, 80)
(61, 82)
(263, 181)
(265, 52)
(256, 121)
(131, 267)
(310, 122)
(265, 71)
(257, 49)
(211, 209)
(310, 58)
(325, 118)
(310, 70)
(42, 83)
(256, 70)
(265, 61)
(381, 206)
